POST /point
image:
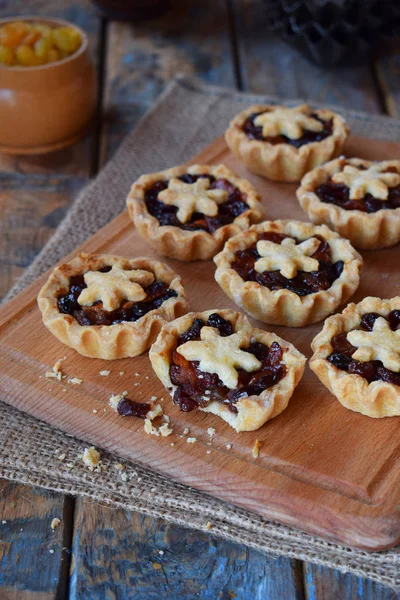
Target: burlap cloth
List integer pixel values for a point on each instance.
(187, 117)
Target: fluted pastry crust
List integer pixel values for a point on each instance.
(120, 340)
(181, 244)
(376, 399)
(284, 307)
(366, 231)
(284, 162)
(253, 411)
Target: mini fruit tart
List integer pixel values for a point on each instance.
(288, 272)
(189, 212)
(110, 307)
(216, 362)
(357, 357)
(357, 198)
(283, 143)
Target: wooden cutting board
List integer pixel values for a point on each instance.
(322, 468)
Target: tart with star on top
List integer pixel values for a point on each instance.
(288, 272)
(188, 213)
(359, 199)
(282, 143)
(357, 356)
(110, 307)
(216, 362)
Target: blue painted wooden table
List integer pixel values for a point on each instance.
(98, 552)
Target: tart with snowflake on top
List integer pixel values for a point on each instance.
(110, 307)
(216, 362)
(359, 199)
(288, 272)
(357, 356)
(282, 143)
(189, 212)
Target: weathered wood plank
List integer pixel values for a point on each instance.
(31, 553)
(270, 66)
(322, 583)
(119, 554)
(386, 69)
(143, 57)
(31, 207)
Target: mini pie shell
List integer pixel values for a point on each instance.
(110, 342)
(367, 231)
(377, 399)
(283, 162)
(283, 307)
(253, 411)
(179, 243)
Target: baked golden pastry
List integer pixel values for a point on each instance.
(189, 212)
(110, 307)
(357, 357)
(215, 361)
(283, 143)
(359, 199)
(288, 272)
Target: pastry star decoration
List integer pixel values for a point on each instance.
(287, 121)
(192, 197)
(113, 287)
(379, 344)
(367, 181)
(287, 257)
(221, 355)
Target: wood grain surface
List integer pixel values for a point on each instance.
(309, 476)
(243, 28)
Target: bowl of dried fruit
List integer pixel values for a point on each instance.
(48, 85)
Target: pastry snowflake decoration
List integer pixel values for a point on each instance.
(221, 355)
(379, 344)
(193, 197)
(114, 286)
(367, 181)
(290, 122)
(287, 257)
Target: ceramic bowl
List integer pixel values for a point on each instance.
(47, 107)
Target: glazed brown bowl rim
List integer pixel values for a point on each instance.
(37, 18)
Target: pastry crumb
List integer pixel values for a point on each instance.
(75, 380)
(104, 373)
(114, 400)
(211, 431)
(172, 444)
(91, 458)
(186, 431)
(94, 411)
(56, 372)
(208, 452)
(191, 440)
(51, 551)
(161, 552)
(121, 373)
(156, 411)
(120, 467)
(61, 456)
(209, 525)
(124, 476)
(137, 374)
(228, 446)
(55, 523)
(256, 448)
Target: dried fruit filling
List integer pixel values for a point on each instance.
(157, 293)
(373, 370)
(227, 212)
(302, 283)
(254, 132)
(197, 389)
(339, 194)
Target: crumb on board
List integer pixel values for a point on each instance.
(94, 411)
(191, 440)
(209, 525)
(55, 523)
(56, 372)
(91, 458)
(156, 411)
(186, 431)
(75, 380)
(256, 448)
(208, 452)
(172, 444)
(121, 373)
(153, 398)
(104, 373)
(228, 446)
(211, 431)
(137, 374)
(163, 430)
